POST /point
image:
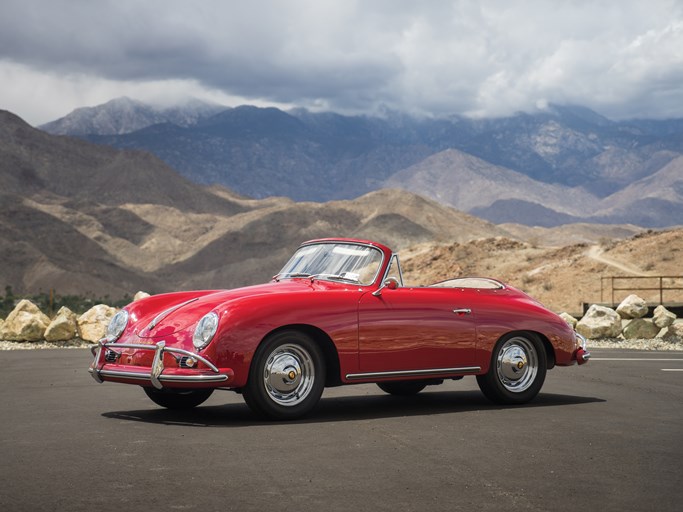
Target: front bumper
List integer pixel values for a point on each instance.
(157, 375)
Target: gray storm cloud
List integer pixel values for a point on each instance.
(622, 58)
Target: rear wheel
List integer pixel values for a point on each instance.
(517, 371)
(287, 376)
(402, 388)
(178, 398)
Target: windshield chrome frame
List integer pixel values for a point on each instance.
(394, 256)
(348, 242)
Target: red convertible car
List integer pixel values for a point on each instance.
(338, 313)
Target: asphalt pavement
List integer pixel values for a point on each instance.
(605, 436)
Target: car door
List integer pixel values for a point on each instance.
(406, 329)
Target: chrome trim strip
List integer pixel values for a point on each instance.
(412, 373)
(163, 378)
(167, 312)
(462, 311)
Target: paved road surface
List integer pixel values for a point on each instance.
(606, 436)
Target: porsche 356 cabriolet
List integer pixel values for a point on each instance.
(337, 313)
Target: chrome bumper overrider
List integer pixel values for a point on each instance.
(155, 375)
(582, 354)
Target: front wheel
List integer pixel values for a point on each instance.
(178, 398)
(286, 378)
(517, 371)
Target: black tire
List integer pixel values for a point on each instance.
(178, 398)
(286, 377)
(517, 371)
(402, 388)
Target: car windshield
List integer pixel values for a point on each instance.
(335, 262)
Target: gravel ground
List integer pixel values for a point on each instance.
(33, 345)
(653, 344)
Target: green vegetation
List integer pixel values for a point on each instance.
(49, 303)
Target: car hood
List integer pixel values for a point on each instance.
(164, 314)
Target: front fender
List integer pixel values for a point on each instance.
(246, 322)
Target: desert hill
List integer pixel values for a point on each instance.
(657, 198)
(560, 277)
(466, 183)
(254, 245)
(161, 248)
(34, 163)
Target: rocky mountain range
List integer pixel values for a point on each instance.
(501, 195)
(125, 115)
(555, 166)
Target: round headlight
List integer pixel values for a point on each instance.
(117, 325)
(205, 330)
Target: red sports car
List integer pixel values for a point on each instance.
(338, 313)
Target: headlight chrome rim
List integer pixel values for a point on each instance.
(117, 325)
(205, 330)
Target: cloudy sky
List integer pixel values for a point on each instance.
(623, 58)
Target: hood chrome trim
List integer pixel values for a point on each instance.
(164, 314)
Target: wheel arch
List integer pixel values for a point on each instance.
(547, 346)
(329, 351)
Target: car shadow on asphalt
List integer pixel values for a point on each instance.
(346, 408)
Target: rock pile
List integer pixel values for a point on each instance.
(627, 322)
(27, 323)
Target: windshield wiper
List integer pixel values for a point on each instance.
(293, 274)
(335, 276)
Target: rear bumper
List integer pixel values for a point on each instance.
(156, 375)
(582, 354)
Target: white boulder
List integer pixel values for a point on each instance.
(569, 319)
(64, 326)
(140, 295)
(25, 323)
(632, 307)
(599, 322)
(674, 332)
(92, 324)
(640, 328)
(662, 317)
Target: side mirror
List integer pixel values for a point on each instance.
(390, 282)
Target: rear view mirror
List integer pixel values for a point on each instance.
(390, 282)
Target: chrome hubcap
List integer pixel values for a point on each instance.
(288, 375)
(517, 364)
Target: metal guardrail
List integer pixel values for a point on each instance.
(611, 284)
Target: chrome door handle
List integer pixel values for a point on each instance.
(463, 311)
